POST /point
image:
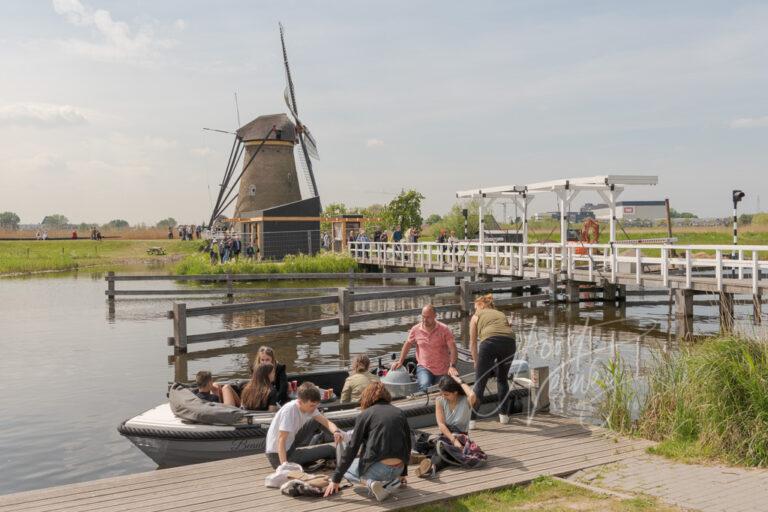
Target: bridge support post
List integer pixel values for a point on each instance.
(384, 272)
(411, 280)
(726, 312)
(609, 292)
(571, 291)
(553, 288)
(431, 281)
(757, 309)
(345, 308)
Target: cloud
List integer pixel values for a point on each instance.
(118, 42)
(179, 24)
(202, 152)
(750, 122)
(374, 143)
(159, 143)
(41, 115)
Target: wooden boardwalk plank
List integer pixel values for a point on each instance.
(517, 453)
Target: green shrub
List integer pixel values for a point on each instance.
(303, 264)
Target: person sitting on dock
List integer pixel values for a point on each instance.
(259, 394)
(378, 452)
(435, 349)
(453, 412)
(266, 355)
(495, 352)
(358, 379)
(288, 432)
(205, 388)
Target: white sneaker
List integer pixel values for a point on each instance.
(503, 419)
(378, 490)
(472, 424)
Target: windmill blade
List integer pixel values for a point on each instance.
(310, 142)
(289, 103)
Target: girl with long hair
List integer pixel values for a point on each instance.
(259, 394)
(266, 355)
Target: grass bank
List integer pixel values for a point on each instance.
(301, 264)
(20, 257)
(709, 402)
(546, 495)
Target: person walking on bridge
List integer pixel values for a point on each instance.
(435, 349)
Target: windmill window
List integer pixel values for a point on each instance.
(252, 190)
(278, 134)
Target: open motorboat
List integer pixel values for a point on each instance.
(171, 441)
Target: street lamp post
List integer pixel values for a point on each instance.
(737, 196)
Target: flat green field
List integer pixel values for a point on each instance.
(21, 257)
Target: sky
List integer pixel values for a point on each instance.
(102, 103)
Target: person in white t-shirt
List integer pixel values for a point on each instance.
(287, 432)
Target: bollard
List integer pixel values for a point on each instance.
(465, 300)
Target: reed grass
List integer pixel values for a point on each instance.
(707, 402)
(618, 395)
(299, 264)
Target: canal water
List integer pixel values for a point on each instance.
(73, 368)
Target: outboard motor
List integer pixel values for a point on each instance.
(399, 384)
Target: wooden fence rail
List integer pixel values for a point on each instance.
(345, 300)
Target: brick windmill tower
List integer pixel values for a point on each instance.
(268, 184)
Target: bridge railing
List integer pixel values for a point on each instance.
(681, 263)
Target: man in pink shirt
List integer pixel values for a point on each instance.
(435, 349)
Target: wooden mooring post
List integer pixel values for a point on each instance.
(111, 286)
(345, 308)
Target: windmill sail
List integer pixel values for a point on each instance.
(308, 144)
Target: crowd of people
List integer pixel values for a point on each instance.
(229, 248)
(448, 241)
(186, 232)
(377, 451)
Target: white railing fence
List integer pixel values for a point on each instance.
(744, 263)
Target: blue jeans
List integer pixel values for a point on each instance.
(377, 472)
(426, 378)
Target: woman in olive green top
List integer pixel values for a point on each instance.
(492, 344)
(358, 380)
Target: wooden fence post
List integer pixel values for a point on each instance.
(466, 298)
(180, 328)
(553, 286)
(539, 391)
(110, 286)
(230, 291)
(345, 307)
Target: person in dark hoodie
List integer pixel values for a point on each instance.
(382, 439)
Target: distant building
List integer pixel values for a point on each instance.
(632, 210)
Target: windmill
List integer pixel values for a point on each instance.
(306, 140)
(266, 145)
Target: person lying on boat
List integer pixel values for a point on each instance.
(453, 410)
(358, 380)
(435, 349)
(205, 388)
(266, 355)
(382, 439)
(493, 353)
(291, 429)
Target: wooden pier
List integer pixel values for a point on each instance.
(517, 453)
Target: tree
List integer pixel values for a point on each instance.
(334, 210)
(55, 221)
(9, 220)
(454, 220)
(170, 222)
(116, 224)
(433, 219)
(404, 210)
(674, 214)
